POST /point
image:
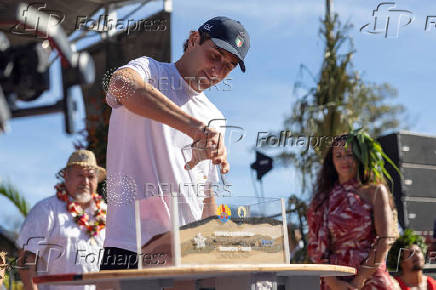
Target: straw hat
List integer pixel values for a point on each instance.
(3, 258)
(3, 263)
(84, 158)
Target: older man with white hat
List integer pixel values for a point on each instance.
(3, 266)
(64, 233)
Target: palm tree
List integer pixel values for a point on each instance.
(337, 101)
(14, 196)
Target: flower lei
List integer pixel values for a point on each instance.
(81, 217)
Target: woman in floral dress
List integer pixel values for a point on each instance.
(350, 217)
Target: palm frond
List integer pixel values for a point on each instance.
(14, 196)
(370, 154)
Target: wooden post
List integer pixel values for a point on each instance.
(329, 8)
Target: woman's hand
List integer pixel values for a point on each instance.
(358, 282)
(336, 284)
(342, 285)
(364, 273)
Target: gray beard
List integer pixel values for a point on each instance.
(83, 198)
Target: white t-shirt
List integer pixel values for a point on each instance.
(50, 232)
(145, 161)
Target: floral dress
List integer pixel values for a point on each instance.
(342, 232)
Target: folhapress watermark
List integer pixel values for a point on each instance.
(104, 23)
(286, 139)
(38, 21)
(86, 257)
(388, 20)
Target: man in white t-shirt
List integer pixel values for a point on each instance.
(64, 233)
(158, 109)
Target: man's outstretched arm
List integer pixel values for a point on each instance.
(141, 98)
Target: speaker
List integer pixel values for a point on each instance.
(415, 191)
(418, 180)
(419, 213)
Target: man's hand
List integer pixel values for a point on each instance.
(209, 144)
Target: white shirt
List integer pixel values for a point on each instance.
(145, 162)
(50, 232)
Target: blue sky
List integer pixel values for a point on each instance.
(284, 34)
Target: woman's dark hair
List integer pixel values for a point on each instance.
(203, 37)
(328, 176)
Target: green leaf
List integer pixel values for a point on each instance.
(8, 191)
(365, 158)
(391, 163)
(357, 151)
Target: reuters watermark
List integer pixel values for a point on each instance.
(124, 85)
(202, 83)
(123, 190)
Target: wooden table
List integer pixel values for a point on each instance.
(220, 277)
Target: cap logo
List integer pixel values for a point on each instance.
(239, 41)
(207, 27)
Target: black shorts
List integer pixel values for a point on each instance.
(118, 259)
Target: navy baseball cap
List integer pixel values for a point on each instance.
(230, 35)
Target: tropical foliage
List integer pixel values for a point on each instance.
(338, 101)
(370, 153)
(14, 196)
